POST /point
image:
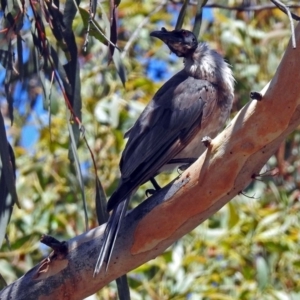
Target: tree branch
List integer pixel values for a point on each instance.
(224, 170)
(242, 7)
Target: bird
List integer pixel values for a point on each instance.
(194, 103)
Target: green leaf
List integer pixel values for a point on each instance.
(119, 66)
(95, 29)
(73, 148)
(6, 205)
(2, 281)
(233, 215)
(113, 27)
(69, 13)
(181, 15)
(101, 211)
(7, 162)
(6, 59)
(8, 194)
(20, 56)
(60, 70)
(198, 17)
(8, 94)
(262, 272)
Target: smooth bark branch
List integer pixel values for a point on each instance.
(224, 170)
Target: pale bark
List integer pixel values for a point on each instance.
(224, 170)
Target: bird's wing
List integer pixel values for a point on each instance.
(127, 133)
(168, 122)
(166, 126)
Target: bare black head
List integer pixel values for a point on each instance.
(182, 42)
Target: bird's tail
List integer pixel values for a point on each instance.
(110, 235)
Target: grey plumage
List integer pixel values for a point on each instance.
(194, 103)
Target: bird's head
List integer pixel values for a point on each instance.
(182, 42)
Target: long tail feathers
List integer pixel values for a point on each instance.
(110, 235)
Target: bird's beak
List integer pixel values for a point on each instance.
(180, 42)
(165, 36)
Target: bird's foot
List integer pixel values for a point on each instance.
(182, 168)
(256, 96)
(150, 192)
(206, 141)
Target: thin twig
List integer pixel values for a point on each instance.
(135, 34)
(91, 16)
(246, 8)
(250, 197)
(277, 4)
(106, 38)
(286, 10)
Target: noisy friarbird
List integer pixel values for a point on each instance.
(194, 103)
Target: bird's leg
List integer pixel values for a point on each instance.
(156, 186)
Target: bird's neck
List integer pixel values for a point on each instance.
(208, 65)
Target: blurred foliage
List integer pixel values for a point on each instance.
(248, 250)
